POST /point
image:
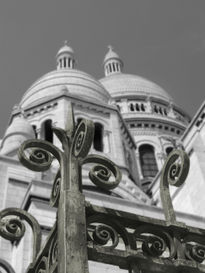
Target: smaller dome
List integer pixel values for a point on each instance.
(65, 49)
(18, 131)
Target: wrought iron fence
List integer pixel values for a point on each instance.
(85, 232)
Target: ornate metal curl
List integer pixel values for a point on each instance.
(83, 138)
(103, 234)
(154, 242)
(42, 153)
(173, 173)
(13, 228)
(105, 231)
(101, 173)
(194, 248)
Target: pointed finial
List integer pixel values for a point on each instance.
(110, 47)
(65, 42)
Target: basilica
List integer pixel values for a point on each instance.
(137, 124)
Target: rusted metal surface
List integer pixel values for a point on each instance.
(85, 232)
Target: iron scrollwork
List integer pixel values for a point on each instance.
(129, 238)
(174, 173)
(107, 232)
(83, 138)
(194, 247)
(101, 173)
(12, 227)
(154, 242)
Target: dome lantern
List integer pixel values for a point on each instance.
(65, 57)
(112, 62)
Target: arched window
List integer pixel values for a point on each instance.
(132, 107)
(147, 160)
(155, 109)
(168, 150)
(60, 63)
(137, 107)
(142, 107)
(47, 130)
(98, 137)
(160, 110)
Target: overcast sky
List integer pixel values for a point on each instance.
(162, 40)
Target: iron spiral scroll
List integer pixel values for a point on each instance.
(12, 227)
(174, 173)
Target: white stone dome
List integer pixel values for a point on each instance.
(17, 132)
(126, 85)
(76, 82)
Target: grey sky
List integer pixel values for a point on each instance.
(162, 40)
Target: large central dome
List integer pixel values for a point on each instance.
(72, 81)
(66, 79)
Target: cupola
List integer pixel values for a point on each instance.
(112, 62)
(65, 57)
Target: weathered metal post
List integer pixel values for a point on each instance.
(71, 227)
